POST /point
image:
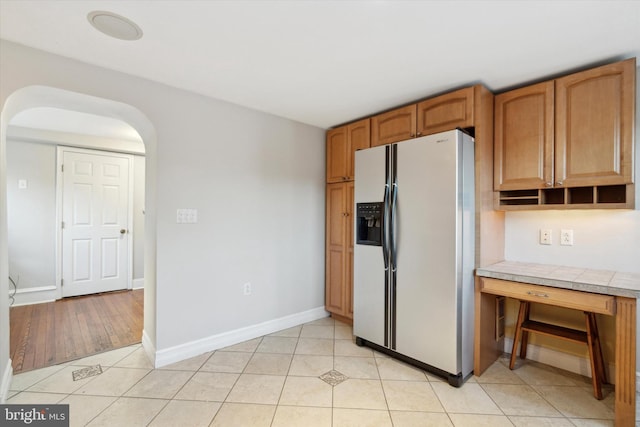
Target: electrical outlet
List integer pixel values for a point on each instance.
(247, 288)
(566, 237)
(545, 236)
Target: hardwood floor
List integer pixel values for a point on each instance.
(56, 332)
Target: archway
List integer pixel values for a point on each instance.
(44, 96)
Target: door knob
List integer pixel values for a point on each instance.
(122, 231)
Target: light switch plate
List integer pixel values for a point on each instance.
(187, 216)
(545, 236)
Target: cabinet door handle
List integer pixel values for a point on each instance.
(537, 294)
(559, 182)
(413, 135)
(548, 184)
(419, 134)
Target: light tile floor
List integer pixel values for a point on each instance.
(273, 381)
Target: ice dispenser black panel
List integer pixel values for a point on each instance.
(369, 223)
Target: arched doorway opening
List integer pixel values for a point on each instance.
(42, 96)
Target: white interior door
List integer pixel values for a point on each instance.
(95, 222)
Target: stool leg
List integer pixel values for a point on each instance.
(598, 349)
(525, 334)
(517, 334)
(596, 375)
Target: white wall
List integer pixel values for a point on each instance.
(605, 240)
(32, 213)
(258, 184)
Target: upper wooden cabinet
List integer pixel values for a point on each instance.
(393, 126)
(445, 112)
(450, 111)
(595, 112)
(342, 143)
(567, 143)
(523, 133)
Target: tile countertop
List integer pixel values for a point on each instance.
(558, 276)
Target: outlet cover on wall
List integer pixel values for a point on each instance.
(566, 237)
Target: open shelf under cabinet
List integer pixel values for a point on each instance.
(593, 197)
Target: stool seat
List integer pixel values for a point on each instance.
(589, 337)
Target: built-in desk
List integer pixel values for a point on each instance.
(569, 287)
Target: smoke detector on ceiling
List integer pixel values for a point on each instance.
(114, 25)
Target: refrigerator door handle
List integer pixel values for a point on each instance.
(393, 227)
(385, 228)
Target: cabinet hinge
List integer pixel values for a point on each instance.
(62, 224)
(61, 168)
(61, 282)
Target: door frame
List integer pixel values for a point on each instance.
(60, 150)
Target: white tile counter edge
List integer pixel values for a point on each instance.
(579, 279)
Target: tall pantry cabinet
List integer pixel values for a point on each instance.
(342, 143)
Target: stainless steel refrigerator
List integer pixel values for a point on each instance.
(414, 252)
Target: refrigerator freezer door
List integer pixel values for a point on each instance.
(429, 251)
(369, 311)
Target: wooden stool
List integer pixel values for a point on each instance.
(589, 337)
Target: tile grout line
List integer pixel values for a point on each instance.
(117, 398)
(273, 418)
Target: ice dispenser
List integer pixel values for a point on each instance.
(369, 223)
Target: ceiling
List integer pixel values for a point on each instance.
(329, 62)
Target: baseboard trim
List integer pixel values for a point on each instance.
(36, 295)
(149, 348)
(637, 396)
(138, 284)
(7, 376)
(194, 348)
(568, 362)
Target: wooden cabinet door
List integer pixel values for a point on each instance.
(393, 126)
(358, 137)
(348, 283)
(339, 261)
(450, 111)
(595, 112)
(337, 154)
(523, 151)
(336, 248)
